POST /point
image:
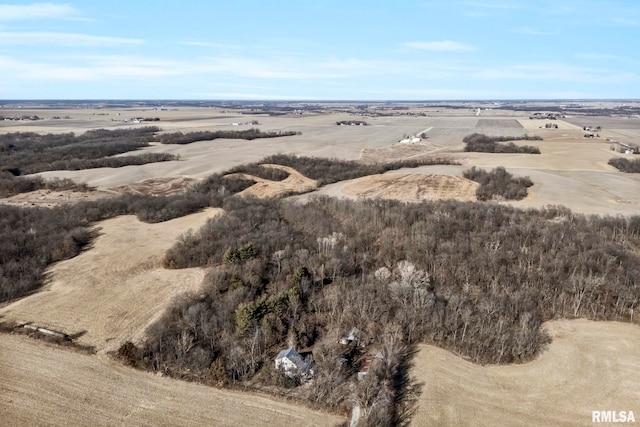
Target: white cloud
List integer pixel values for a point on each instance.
(250, 71)
(274, 68)
(87, 69)
(61, 39)
(441, 46)
(131, 67)
(10, 12)
(96, 67)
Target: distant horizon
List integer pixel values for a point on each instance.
(293, 51)
(407, 101)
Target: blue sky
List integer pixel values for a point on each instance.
(320, 49)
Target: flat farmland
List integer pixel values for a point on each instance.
(539, 124)
(449, 130)
(320, 137)
(571, 171)
(605, 122)
(498, 123)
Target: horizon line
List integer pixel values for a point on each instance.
(271, 100)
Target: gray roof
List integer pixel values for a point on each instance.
(295, 358)
(289, 354)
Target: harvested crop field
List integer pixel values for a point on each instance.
(589, 366)
(530, 124)
(498, 123)
(294, 183)
(413, 187)
(396, 152)
(46, 385)
(110, 293)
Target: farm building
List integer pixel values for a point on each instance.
(292, 363)
(367, 363)
(364, 368)
(353, 337)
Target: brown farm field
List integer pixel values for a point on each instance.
(589, 366)
(114, 290)
(571, 171)
(45, 385)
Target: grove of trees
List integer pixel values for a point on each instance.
(248, 134)
(491, 144)
(477, 279)
(498, 184)
(626, 165)
(24, 153)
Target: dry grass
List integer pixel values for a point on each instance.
(45, 385)
(588, 366)
(156, 186)
(49, 198)
(413, 187)
(265, 188)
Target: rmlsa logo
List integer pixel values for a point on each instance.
(612, 417)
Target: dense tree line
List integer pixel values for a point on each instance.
(477, 279)
(327, 171)
(11, 185)
(33, 238)
(481, 143)
(112, 162)
(249, 134)
(626, 165)
(256, 169)
(26, 153)
(498, 184)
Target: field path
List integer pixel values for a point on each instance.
(113, 291)
(589, 366)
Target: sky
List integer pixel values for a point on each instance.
(320, 49)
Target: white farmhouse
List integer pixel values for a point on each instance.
(292, 363)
